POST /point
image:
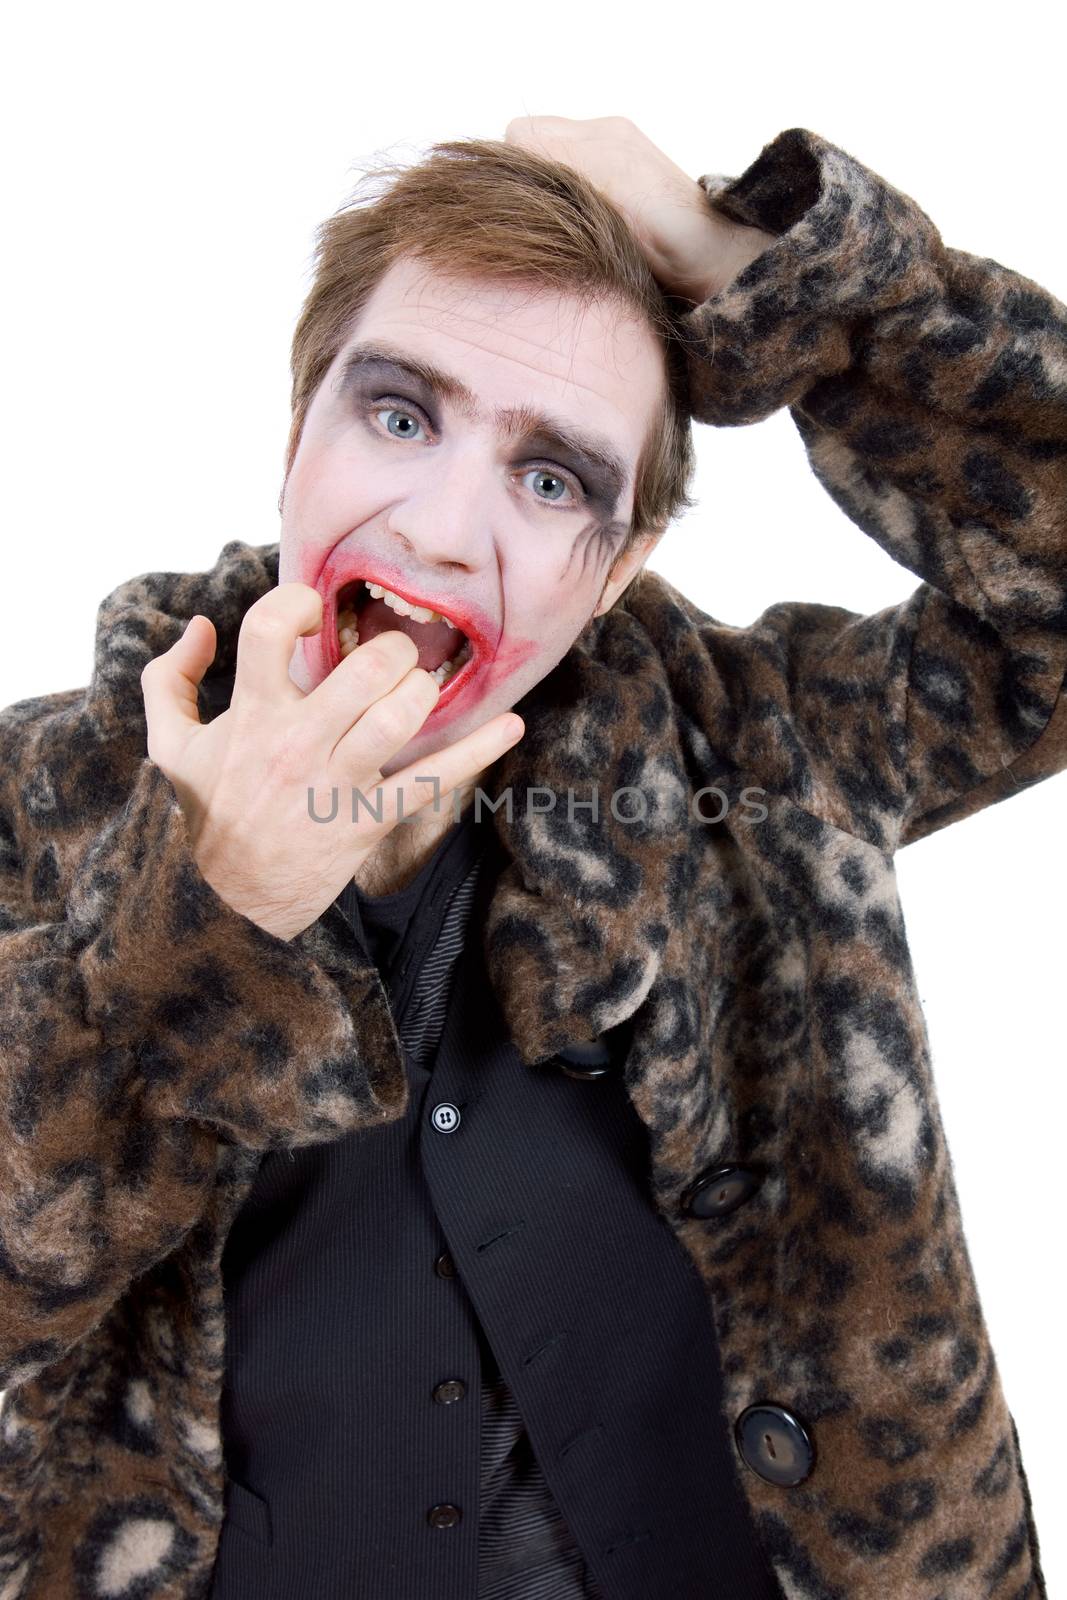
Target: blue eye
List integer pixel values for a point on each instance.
(396, 411)
(548, 472)
(386, 407)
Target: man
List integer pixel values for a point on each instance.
(255, 1091)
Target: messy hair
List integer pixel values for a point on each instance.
(487, 211)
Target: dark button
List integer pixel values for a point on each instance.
(721, 1190)
(585, 1061)
(451, 1389)
(443, 1516)
(585, 1074)
(775, 1444)
(444, 1266)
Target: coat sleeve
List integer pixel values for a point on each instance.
(929, 387)
(142, 1020)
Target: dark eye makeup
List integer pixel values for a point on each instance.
(371, 403)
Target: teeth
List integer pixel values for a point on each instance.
(348, 634)
(448, 669)
(348, 631)
(405, 609)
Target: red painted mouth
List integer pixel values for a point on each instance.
(478, 631)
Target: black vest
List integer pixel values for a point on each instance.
(375, 1286)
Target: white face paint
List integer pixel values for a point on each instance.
(510, 540)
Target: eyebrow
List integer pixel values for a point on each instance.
(594, 458)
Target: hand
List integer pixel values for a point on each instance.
(242, 780)
(694, 251)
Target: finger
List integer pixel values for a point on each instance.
(370, 737)
(405, 792)
(529, 133)
(169, 684)
(367, 673)
(269, 632)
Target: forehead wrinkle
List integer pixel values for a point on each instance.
(493, 322)
(494, 325)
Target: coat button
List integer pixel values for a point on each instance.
(444, 1266)
(585, 1061)
(775, 1444)
(451, 1389)
(445, 1117)
(720, 1190)
(444, 1516)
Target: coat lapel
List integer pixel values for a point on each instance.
(597, 914)
(580, 931)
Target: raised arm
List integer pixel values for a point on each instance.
(929, 387)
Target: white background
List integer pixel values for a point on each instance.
(166, 169)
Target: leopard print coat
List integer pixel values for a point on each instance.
(154, 1044)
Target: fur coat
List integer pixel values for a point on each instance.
(154, 1043)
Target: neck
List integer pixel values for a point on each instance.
(405, 850)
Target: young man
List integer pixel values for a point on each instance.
(552, 1202)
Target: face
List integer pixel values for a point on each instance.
(511, 528)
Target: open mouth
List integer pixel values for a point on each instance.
(367, 609)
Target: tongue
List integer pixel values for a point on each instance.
(438, 642)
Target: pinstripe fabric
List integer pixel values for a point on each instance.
(525, 1549)
(599, 1317)
(423, 1017)
(521, 1547)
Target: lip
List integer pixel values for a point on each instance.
(336, 575)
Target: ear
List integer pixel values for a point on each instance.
(626, 568)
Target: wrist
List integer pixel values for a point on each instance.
(241, 896)
(716, 251)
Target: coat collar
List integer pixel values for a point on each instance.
(588, 912)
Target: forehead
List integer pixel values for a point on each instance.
(503, 349)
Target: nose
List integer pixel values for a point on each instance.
(447, 521)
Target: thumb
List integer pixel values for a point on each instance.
(169, 683)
